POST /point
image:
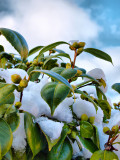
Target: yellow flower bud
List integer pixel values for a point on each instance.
(84, 117)
(23, 83)
(80, 50)
(15, 78)
(81, 44)
(68, 65)
(18, 105)
(106, 130)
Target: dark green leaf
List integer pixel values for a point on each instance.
(21, 66)
(116, 87)
(86, 129)
(16, 40)
(89, 77)
(98, 53)
(54, 76)
(34, 136)
(51, 46)
(1, 48)
(34, 50)
(96, 137)
(6, 93)
(6, 55)
(88, 144)
(66, 73)
(6, 137)
(64, 154)
(54, 93)
(105, 106)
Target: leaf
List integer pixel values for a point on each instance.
(65, 152)
(105, 106)
(54, 93)
(21, 66)
(34, 76)
(86, 129)
(13, 119)
(116, 87)
(6, 93)
(54, 76)
(64, 72)
(51, 46)
(34, 50)
(16, 40)
(6, 55)
(96, 137)
(89, 77)
(8, 156)
(57, 56)
(6, 137)
(88, 144)
(101, 92)
(104, 155)
(1, 48)
(98, 53)
(34, 136)
(90, 99)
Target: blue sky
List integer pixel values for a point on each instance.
(43, 22)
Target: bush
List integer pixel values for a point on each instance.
(47, 110)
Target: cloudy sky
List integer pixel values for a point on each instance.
(43, 22)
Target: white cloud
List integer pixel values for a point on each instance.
(45, 22)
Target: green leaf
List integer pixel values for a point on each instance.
(8, 156)
(96, 137)
(54, 76)
(16, 40)
(57, 56)
(6, 55)
(90, 99)
(1, 48)
(51, 46)
(65, 152)
(34, 50)
(13, 119)
(98, 53)
(104, 155)
(116, 87)
(66, 73)
(86, 129)
(21, 66)
(89, 77)
(34, 136)
(6, 137)
(6, 93)
(34, 76)
(101, 92)
(105, 106)
(88, 144)
(54, 93)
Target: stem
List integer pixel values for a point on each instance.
(21, 94)
(85, 85)
(75, 55)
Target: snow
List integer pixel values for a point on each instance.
(51, 128)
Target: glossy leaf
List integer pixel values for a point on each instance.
(54, 76)
(34, 136)
(96, 137)
(88, 144)
(5, 55)
(63, 153)
(54, 93)
(104, 155)
(8, 156)
(90, 99)
(6, 93)
(57, 56)
(51, 46)
(16, 40)
(116, 87)
(101, 92)
(66, 73)
(6, 137)
(105, 106)
(89, 77)
(98, 53)
(21, 66)
(86, 129)
(1, 48)
(34, 50)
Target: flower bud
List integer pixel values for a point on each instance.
(84, 117)
(79, 73)
(15, 78)
(75, 45)
(18, 105)
(68, 65)
(35, 62)
(115, 129)
(73, 134)
(80, 50)
(91, 120)
(19, 88)
(81, 44)
(106, 130)
(23, 83)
